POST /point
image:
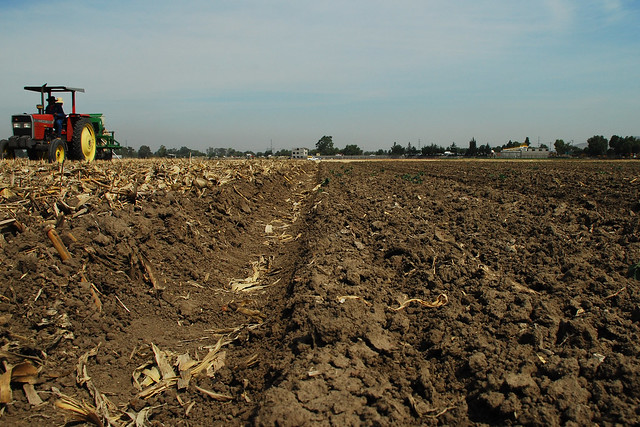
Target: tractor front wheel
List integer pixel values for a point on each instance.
(83, 145)
(5, 151)
(57, 151)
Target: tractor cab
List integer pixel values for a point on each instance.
(81, 136)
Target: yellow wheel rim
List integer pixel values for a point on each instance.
(60, 154)
(88, 143)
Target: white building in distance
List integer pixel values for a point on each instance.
(299, 153)
(523, 152)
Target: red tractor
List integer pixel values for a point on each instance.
(80, 137)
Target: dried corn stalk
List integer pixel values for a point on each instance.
(441, 300)
(104, 407)
(6, 394)
(161, 377)
(215, 396)
(251, 283)
(78, 411)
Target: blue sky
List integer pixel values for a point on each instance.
(251, 74)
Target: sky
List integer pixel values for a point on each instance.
(257, 74)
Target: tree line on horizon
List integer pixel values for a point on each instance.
(597, 146)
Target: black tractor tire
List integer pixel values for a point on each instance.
(83, 142)
(57, 151)
(5, 151)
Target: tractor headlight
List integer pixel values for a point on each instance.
(23, 125)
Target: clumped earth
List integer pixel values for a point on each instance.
(337, 293)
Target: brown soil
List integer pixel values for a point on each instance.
(407, 293)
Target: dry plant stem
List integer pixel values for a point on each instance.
(57, 243)
(6, 395)
(239, 193)
(122, 304)
(616, 293)
(78, 411)
(32, 395)
(439, 302)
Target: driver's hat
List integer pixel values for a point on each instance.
(59, 101)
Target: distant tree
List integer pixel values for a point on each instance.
(616, 145)
(144, 152)
(432, 150)
(545, 146)
(526, 141)
(183, 152)
(220, 152)
(453, 148)
(380, 152)
(624, 146)
(325, 146)
(127, 152)
(575, 151)
(352, 150)
(283, 153)
(484, 150)
(397, 150)
(411, 150)
(473, 148)
(597, 145)
(162, 151)
(561, 147)
(511, 144)
(634, 144)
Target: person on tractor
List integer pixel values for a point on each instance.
(55, 107)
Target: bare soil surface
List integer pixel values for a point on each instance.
(329, 293)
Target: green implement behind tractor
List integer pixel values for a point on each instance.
(105, 139)
(50, 134)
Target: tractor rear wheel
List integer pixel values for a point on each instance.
(83, 143)
(57, 151)
(5, 151)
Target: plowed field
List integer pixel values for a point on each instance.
(331, 293)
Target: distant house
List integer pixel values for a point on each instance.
(299, 153)
(523, 152)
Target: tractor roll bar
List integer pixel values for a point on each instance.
(52, 89)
